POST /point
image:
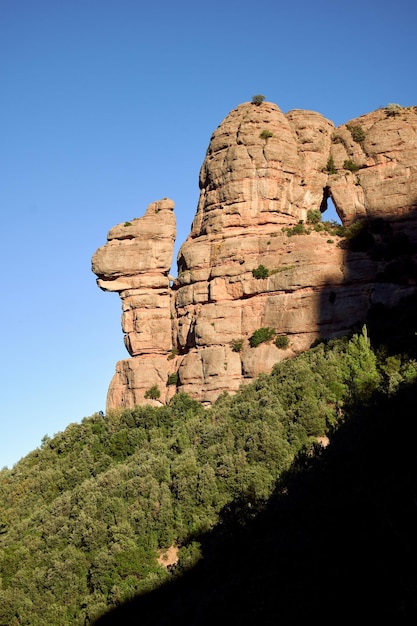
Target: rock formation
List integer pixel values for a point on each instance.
(135, 263)
(254, 258)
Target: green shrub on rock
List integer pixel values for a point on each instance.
(357, 132)
(351, 165)
(330, 166)
(282, 342)
(260, 272)
(237, 345)
(313, 216)
(173, 378)
(261, 335)
(152, 393)
(258, 99)
(266, 134)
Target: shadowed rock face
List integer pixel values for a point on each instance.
(263, 172)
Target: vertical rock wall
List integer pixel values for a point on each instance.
(135, 263)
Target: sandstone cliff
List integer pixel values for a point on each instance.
(135, 263)
(265, 176)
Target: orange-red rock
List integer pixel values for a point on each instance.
(263, 172)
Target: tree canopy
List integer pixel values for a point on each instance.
(85, 517)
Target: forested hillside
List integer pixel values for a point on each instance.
(86, 518)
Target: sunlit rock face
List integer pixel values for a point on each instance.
(135, 262)
(262, 168)
(264, 173)
(385, 185)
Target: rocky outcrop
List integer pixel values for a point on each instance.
(383, 146)
(265, 178)
(135, 262)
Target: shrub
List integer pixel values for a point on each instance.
(355, 229)
(393, 109)
(260, 272)
(351, 165)
(313, 216)
(173, 353)
(265, 134)
(358, 236)
(261, 335)
(128, 224)
(331, 227)
(152, 393)
(282, 342)
(299, 229)
(330, 166)
(172, 379)
(357, 132)
(258, 99)
(237, 345)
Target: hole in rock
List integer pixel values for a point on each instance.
(328, 208)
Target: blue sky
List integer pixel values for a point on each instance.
(109, 105)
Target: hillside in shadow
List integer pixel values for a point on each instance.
(336, 542)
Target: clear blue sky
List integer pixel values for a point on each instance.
(108, 105)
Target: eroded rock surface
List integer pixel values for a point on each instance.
(385, 185)
(264, 173)
(135, 262)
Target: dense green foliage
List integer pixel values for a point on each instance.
(173, 378)
(261, 335)
(335, 540)
(350, 165)
(153, 393)
(260, 272)
(282, 342)
(313, 216)
(357, 132)
(85, 516)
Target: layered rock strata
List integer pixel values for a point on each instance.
(264, 174)
(135, 263)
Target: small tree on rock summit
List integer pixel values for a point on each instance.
(258, 99)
